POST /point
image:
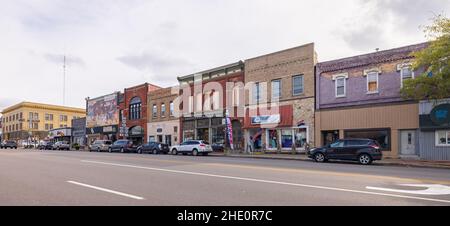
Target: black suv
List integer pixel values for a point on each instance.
(365, 151)
(122, 146)
(8, 144)
(154, 148)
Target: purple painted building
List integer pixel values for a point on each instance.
(359, 97)
(387, 64)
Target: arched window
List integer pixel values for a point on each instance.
(135, 108)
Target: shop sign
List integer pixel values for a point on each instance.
(440, 115)
(109, 129)
(266, 119)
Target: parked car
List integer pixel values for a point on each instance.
(122, 146)
(194, 147)
(365, 151)
(100, 145)
(46, 145)
(61, 145)
(218, 147)
(8, 144)
(154, 148)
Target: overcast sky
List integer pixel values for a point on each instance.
(113, 44)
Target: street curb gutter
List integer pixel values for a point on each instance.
(399, 164)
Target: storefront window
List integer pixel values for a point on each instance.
(203, 134)
(203, 123)
(218, 135)
(188, 130)
(188, 135)
(300, 137)
(383, 136)
(443, 138)
(286, 139)
(272, 139)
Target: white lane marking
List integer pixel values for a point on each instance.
(106, 190)
(267, 181)
(432, 189)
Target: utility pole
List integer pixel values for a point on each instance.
(64, 81)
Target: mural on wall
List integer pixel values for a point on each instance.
(102, 112)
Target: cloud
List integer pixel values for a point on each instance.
(379, 22)
(59, 59)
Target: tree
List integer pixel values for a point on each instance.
(434, 83)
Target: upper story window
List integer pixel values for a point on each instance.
(256, 93)
(216, 100)
(276, 90)
(49, 117)
(163, 110)
(172, 108)
(372, 82)
(297, 85)
(340, 85)
(135, 108)
(406, 72)
(199, 102)
(155, 111)
(63, 118)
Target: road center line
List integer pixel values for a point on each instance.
(106, 190)
(266, 181)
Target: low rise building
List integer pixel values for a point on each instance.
(359, 97)
(102, 120)
(163, 124)
(280, 100)
(434, 133)
(133, 112)
(33, 121)
(207, 96)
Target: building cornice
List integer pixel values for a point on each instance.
(43, 107)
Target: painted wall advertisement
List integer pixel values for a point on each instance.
(102, 111)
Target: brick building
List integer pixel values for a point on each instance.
(163, 125)
(133, 112)
(359, 97)
(207, 97)
(280, 99)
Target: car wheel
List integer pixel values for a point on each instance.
(174, 152)
(319, 157)
(155, 152)
(195, 152)
(365, 159)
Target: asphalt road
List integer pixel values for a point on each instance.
(101, 179)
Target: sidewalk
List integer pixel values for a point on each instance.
(303, 157)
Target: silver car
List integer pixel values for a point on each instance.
(100, 145)
(194, 147)
(61, 145)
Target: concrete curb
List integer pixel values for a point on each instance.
(380, 163)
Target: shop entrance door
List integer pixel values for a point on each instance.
(408, 143)
(169, 140)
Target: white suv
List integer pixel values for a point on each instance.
(194, 147)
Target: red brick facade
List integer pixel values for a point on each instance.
(142, 92)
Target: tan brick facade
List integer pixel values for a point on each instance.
(162, 127)
(283, 66)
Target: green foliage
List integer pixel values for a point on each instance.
(436, 59)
